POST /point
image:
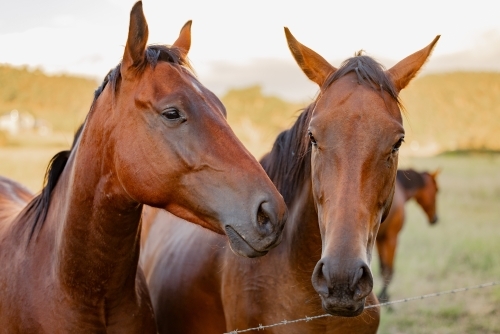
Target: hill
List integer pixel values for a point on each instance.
(62, 100)
(257, 118)
(443, 112)
(451, 111)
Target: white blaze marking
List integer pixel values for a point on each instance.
(196, 86)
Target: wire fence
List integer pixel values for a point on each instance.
(306, 319)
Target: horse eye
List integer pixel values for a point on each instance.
(311, 138)
(171, 114)
(396, 146)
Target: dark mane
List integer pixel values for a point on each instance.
(39, 206)
(410, 179)
(288, 163)
(369, 73)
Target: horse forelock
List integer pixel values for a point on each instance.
(369, 73)
(153, 54)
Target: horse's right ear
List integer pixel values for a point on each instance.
(312, 64)
(134, 54)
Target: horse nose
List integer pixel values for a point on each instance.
(270, 220)
(329, 278)
(434, 220)
(362, 282)
(321, 279)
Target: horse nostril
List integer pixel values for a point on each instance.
(319, 279)
(355, 279)
(362, 282)
(262, 217)
(265, 219)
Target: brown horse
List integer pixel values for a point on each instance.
(422, 186)
(154, 135)
(336, 168)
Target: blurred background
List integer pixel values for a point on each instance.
(55, 53)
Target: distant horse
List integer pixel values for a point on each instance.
(409, 184)
(154, 135)
(336, 168)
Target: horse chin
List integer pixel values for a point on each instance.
(343, 309)
(240, 246)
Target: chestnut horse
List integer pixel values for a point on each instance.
(154, 135)
(422, 186)
(336, 168)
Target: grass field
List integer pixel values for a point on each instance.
(463, 249)
(26, 157)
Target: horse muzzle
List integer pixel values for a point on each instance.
(343, 291)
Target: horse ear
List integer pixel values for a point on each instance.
(137, 39)
(402, 73)
(436, 173)
(183, 42)
(312, 64)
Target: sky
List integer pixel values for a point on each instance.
(240, 43)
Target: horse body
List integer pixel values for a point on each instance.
(154, 136)
(338, 185)
(409, 184)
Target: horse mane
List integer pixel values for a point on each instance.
(288, 163)
(410, 179)
(39, 206)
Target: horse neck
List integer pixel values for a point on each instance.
(302, 237)
(289, 167)
(409, 191)
(99, 234)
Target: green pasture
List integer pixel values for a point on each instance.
(26, 157)
(462, 250)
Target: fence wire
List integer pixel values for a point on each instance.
(306, 319)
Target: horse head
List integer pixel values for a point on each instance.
(355, 131)
(426, 196)
(169, 145)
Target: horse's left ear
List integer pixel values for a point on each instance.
(138, 33)
(183, 42)
(402, 73)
